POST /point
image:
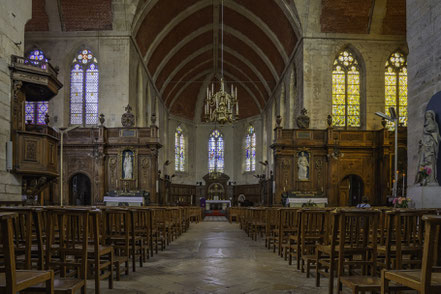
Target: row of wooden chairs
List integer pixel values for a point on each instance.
(77, 243)
(352, 245)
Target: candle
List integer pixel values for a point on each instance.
(404, 179)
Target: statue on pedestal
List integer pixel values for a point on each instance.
(428, 151)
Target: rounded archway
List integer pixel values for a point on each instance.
(80, 190)
(351, 190)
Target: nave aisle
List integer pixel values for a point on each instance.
(215, 257)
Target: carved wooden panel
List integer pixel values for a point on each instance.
(31, 149)
(333, 155)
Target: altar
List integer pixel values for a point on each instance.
(217, 204)
(301, 202)
(120, 198)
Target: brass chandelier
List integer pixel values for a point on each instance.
(221, 107)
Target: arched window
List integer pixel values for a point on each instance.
(395, 85)
(346, 91)
(84, 89)
(250, 150)
(179, 149)
(35, 111)
(216, 152)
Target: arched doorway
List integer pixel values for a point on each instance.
(351, 190)
(80, 190)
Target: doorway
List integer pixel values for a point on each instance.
(351, 190)
(80, 190)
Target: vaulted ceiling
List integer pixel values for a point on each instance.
(181, 45)
(180, 39)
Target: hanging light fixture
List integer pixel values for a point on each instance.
(221, 107)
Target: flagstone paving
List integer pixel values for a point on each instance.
(215, 257)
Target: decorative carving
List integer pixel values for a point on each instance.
(329, 120)
(102, 119)
(128, 118)
(153, 118)
(31, 150)
(303, 119)
(428, 151)
(46, 119)
(278, 120)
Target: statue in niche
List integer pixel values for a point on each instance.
(428, 151)
(303, 165)
(127, 165)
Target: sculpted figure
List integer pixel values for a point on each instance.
(128, 167)
(303, 165)
(428, 150)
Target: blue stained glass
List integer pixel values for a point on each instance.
(179, 149)
(216, 152)
(35, 112)
(30, 112)
(84, 89)
(250, 150)
(37, 58)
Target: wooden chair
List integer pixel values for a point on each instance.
(257, 224)
(403, 243)
(428, 279)
(66, 249)
(288, 228)
(28, 237)
(117, 234)
(12, 280)
(312, 231)
(100, 256)
(272, 227)
(352, 244)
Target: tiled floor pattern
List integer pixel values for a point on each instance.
(215, 257)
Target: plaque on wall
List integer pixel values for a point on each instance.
(127, 133)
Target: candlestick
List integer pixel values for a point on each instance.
(404, 179)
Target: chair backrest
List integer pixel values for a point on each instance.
(405, 230)
(27, 232)
(431, 249)
(117, 224)
(313, 228)
(354, 231)
(68, 233)
(7, 237)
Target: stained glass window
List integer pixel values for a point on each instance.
(250, 150)
(216, 152)
(35, 112)
(179, 149)
(395, 85)
(36, 57)
(346, 91)
(84, 78)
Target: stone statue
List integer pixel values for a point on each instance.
(128, 166)
(303, 164)
(428, 150)
(303, 119)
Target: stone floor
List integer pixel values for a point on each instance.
(215, 257)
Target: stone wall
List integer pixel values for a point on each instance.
(13, 17)
(424, 64)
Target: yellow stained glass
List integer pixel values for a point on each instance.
(346, 91)
(395, 86)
